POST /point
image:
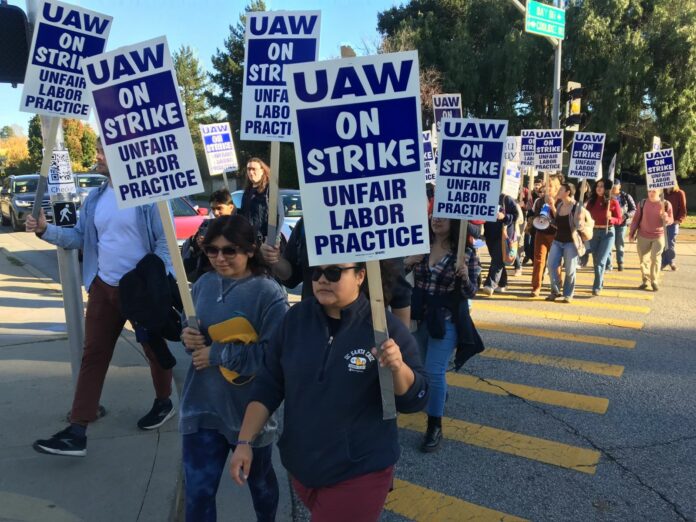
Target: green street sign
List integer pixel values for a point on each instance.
(544, 20)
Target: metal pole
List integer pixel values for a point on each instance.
(556, 113)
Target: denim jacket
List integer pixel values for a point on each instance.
(84, 235)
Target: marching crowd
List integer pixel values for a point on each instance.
(251, 352)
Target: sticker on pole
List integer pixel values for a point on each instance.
(273, 40)
(548, 149)
(446, 106)
(586, 155)
(54, 84)
(219, 147)
(60, 174)
(143, 126)
(428, 158)
(660, 169)
(65, 214)
(527, 148)
(359, 157)
(470, 167)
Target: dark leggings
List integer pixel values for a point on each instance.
(205, 454)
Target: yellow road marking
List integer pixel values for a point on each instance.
(582, 304)
(609, 370)
(533, 448)
(579, 284)
(572, 401)
(638, 295)
(559, 316)
(556, 335)
(425, 505)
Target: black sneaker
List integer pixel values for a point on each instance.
(64, 443)
(161, 412)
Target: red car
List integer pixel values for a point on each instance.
(187, 219)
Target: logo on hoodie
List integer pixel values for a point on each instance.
(358, 360)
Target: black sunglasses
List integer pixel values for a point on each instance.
(331, 273)
(213, 251)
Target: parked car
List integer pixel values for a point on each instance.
(292, 203)
(86, 183)
(17, 200)
(187, 219)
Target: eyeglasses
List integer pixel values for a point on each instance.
(213, 251)
(331, 273)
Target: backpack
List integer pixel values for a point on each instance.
(588, 230)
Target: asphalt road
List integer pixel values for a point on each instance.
(574, 412)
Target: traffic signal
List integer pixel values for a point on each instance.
(14, 43)
(573, 98)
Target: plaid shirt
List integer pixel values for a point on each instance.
(441, 279)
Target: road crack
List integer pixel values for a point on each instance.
(606, 452)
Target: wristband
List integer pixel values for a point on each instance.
(243, 443)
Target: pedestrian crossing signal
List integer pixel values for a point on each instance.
(65, 214)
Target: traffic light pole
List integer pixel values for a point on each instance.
(558, 54)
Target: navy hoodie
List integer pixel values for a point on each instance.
(333, 428)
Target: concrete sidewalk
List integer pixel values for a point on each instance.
(128, 474)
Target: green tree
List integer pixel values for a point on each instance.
(631, 55)
(193, 84)
(228, 78)
(6, 132)
(35, 143)
(88, 142)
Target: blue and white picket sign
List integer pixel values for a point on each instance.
(446, 106)
(219, 147)
(660, 169)
(65, 35)
(527, 148)
(548, 149)
(470, 168)
(60, 175)
(273, 40)
(586, 155)
(512, 179)
(143, 126)
(428, 158)
(359, 157)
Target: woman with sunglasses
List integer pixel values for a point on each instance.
(211, 407)
(322, 362)
(440, 305)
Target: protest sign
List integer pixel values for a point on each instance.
(54, 84)
(428, 158)
(512, 179)
(446, 106)
(513, 146)
(359, 157)
(273, 40)
(60, 174)
(548, 149)
(656, 143)
(219, 147)
(144, 132)
(660, 169)
(470, 166)
(527, 148)
(586, 155)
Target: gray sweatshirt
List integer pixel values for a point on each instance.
(208, 400)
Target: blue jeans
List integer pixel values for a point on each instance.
(602, 241)
(204, 456)
(669, 255)
(497, 275)
(619, 242)
(437, 354)
(569, 254)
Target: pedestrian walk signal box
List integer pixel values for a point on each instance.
(65, 214)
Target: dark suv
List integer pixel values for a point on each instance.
(17, 199)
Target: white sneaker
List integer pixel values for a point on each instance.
(487, 290)
(500, 289)
(518, 272)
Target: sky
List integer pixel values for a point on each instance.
(204, 26)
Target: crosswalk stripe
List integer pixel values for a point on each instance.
(573, 401)
(559, 316)
(582, 304)
(579, 284)
(597, 368)
(640, 296)
(555, 335)
(533, 448)
(425, 505)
